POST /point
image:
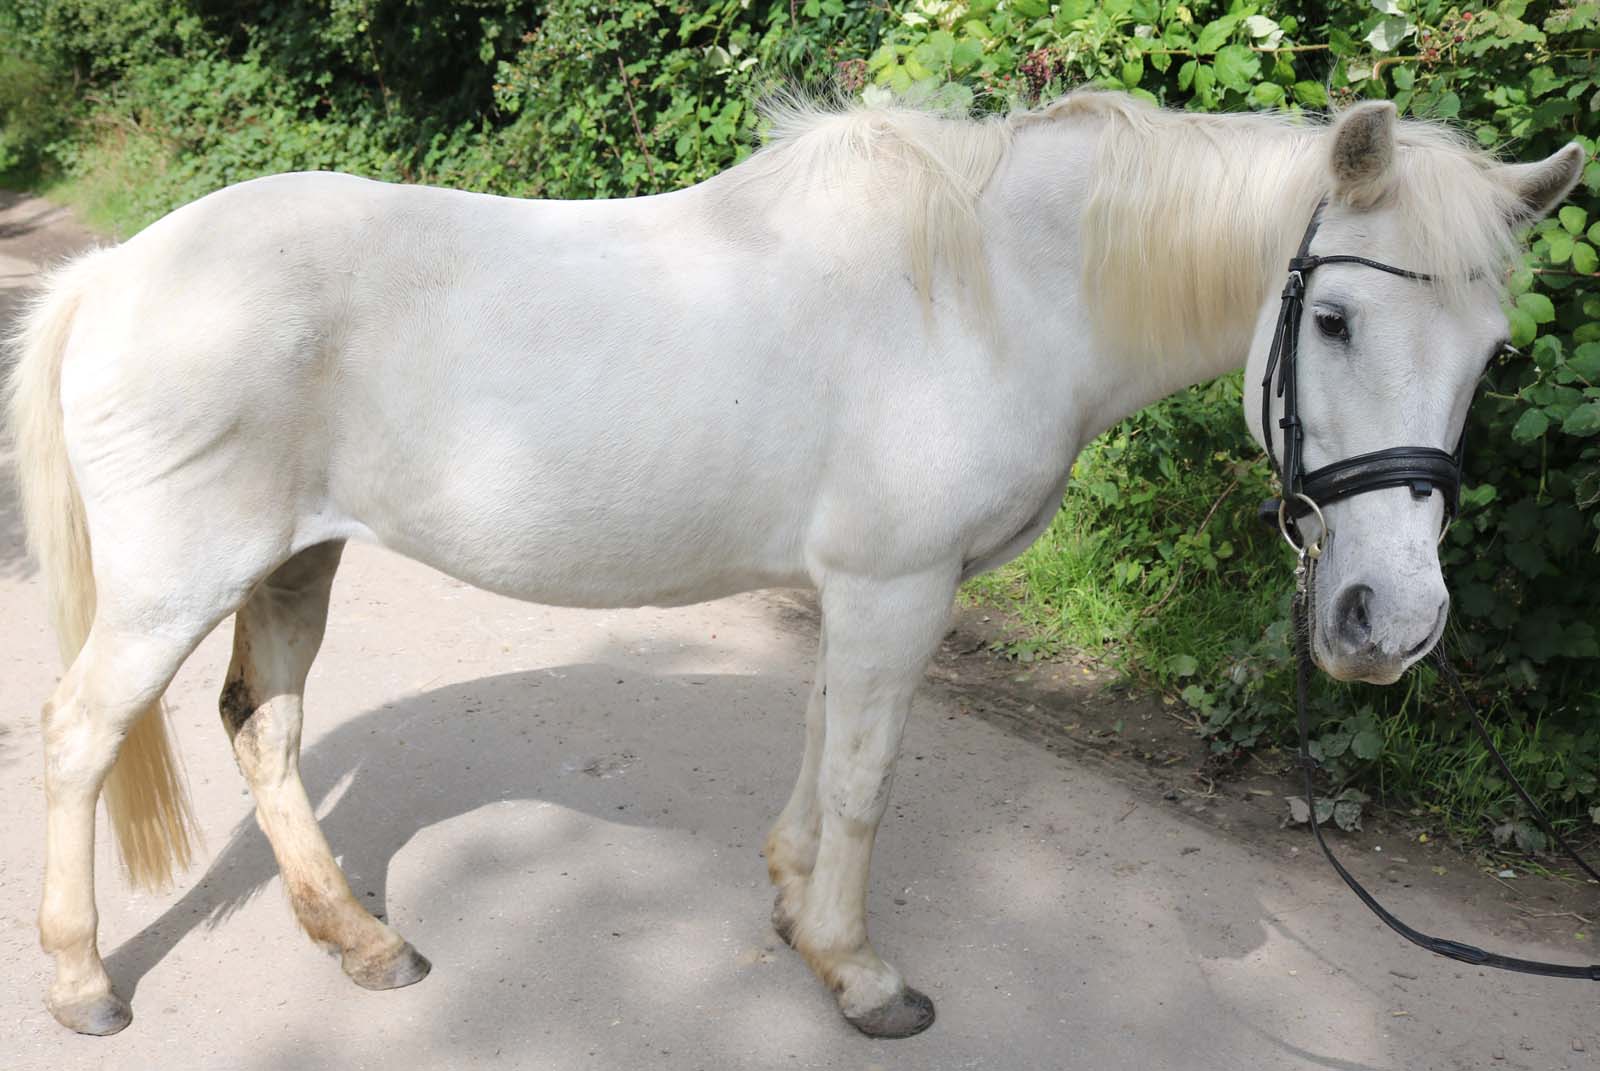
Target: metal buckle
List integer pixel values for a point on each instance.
(1310, 550)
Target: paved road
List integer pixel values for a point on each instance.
(564, 810)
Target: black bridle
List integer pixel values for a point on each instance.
(1423, 469)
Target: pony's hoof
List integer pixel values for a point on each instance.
(96, 1015)
(908, 1013)
(401, 968)
(782, 921)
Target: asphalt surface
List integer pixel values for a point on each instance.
(564, 810)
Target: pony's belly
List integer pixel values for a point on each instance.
(584, 553)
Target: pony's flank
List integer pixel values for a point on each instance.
(1190, 220)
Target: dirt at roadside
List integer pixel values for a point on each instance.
(1151, 744)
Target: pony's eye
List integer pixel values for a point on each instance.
(1332, 325)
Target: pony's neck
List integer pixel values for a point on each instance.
(1176, 228)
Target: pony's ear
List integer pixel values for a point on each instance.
(1362, 153)
(1540, 187)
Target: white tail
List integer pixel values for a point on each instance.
(144, 792)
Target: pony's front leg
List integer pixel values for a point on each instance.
(792, 844)
(880, 635)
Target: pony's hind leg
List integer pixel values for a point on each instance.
(116, 679)
(880, 635)
(277, 633)
(792, 844)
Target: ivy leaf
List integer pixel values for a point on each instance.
(1537, 306)
(1530, 426)
(1582, 421)
(1387, 35)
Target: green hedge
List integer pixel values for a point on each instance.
(134, 106)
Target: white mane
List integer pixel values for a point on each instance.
(1191, 218)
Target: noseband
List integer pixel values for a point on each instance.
(1421, 468)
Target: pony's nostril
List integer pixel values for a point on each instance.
(1353, 615)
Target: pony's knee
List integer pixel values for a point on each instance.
(855, 788)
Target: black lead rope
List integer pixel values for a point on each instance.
(1442, 946)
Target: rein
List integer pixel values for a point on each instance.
(1421, 468)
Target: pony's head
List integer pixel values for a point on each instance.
(1388, 361)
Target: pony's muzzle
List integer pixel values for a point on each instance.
(1373, 639)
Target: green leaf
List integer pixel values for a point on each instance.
(1132, 72)
(1311, 94)
(1582, 421)
(1259, 26)
(1267, 94)
(1367, 745)
(1387, 35)
(1183, 665)
(1573, 218)
(1537, 306)
(1237, 66)
(1585, 361)
(1186, 75)
(1559, 246)
(1216, 34)
(1530, 426)
(1584, 259)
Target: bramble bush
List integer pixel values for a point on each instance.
(135, 106)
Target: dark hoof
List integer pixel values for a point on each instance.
(98, 1016)
(403, 968)
(909, 1013)
(781, 922)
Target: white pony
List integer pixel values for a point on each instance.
(862, 362)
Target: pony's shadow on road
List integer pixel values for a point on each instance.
(14, 560)
(553, 735)
(610, 743)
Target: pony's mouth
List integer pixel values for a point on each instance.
(1372, 664)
